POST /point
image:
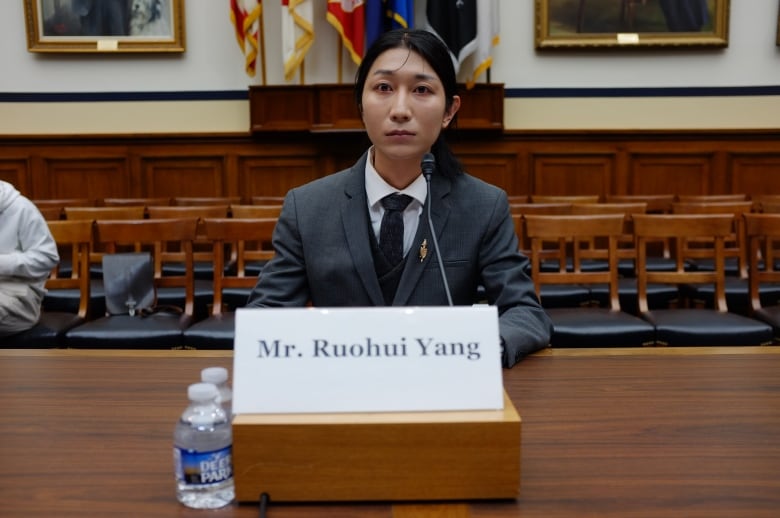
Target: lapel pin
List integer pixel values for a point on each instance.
(423, 250)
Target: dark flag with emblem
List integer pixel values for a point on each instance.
(455, 22)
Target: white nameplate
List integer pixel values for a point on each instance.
(628, 38)
(382, 359)
(107, 45)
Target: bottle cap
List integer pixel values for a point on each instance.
(202, 392)
(215, 375)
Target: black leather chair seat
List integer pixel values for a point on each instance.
(564, 296)
(162, 330)
(737, 295)
(204, 294)
(598, 327)
(216, 332)
(65, 267)
(659, 296)
(66, 300)
(253, 268)
(201, 269)
(627, 267)
(707, 327)
(587, 265)
(48, 332)
(771, 316)
(233, 298)
(708, 265)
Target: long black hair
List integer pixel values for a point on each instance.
(433, 51)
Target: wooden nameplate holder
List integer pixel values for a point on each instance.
(378, 456)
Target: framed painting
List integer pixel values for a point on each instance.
(630, 23)
(104, 26)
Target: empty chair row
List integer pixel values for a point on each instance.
(574, 235)
(234, 244)
(642, 204)
(570, 240)
(655, 201)
(735, 243)
(136, 211)
(53, 209)
(698, 258)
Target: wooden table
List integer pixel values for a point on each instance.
(606, 433)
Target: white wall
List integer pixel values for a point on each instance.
(212, 62)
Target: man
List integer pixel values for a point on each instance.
(333, 246)
(28, 253)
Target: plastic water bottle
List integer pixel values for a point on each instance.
(219, 377)
(202, 451)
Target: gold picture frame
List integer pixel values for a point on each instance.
(567, 24)
(105, 26)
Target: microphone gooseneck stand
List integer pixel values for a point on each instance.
(428, 165)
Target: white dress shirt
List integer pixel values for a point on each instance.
(377, 188)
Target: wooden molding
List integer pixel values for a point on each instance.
(291, 149)
(331, 107)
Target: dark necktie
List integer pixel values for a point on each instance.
(391, 232)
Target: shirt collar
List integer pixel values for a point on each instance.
(377, 188)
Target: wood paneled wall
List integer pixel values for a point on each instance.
(676, 162)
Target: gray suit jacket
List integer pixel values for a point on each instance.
(323, 255)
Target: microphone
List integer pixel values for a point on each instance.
(428, 165)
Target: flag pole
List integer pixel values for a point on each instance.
(341, 59)
(262, 47)
(302, 72)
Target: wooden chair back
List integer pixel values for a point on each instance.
(760, 199)
(92, 214)
(52, 213)
(232, 240)
(519, 210)
(188, 211)
(145, 202)
(627, 209)
(256, 211)
(767, 206)
(654, 203)
(709, 198)
(763, 237)
(156, 233)
(565, 198)
(626, 248)
(55, 209)
(207, 200)
(518, 198)
(574, 236)
(96, 213)
(65, 202)
(559, 208)
(735, 244)
(266, 200)
(74, 240)
(202, 250)
(681, 228)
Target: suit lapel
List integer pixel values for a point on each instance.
(415, 263)
(354, 217)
